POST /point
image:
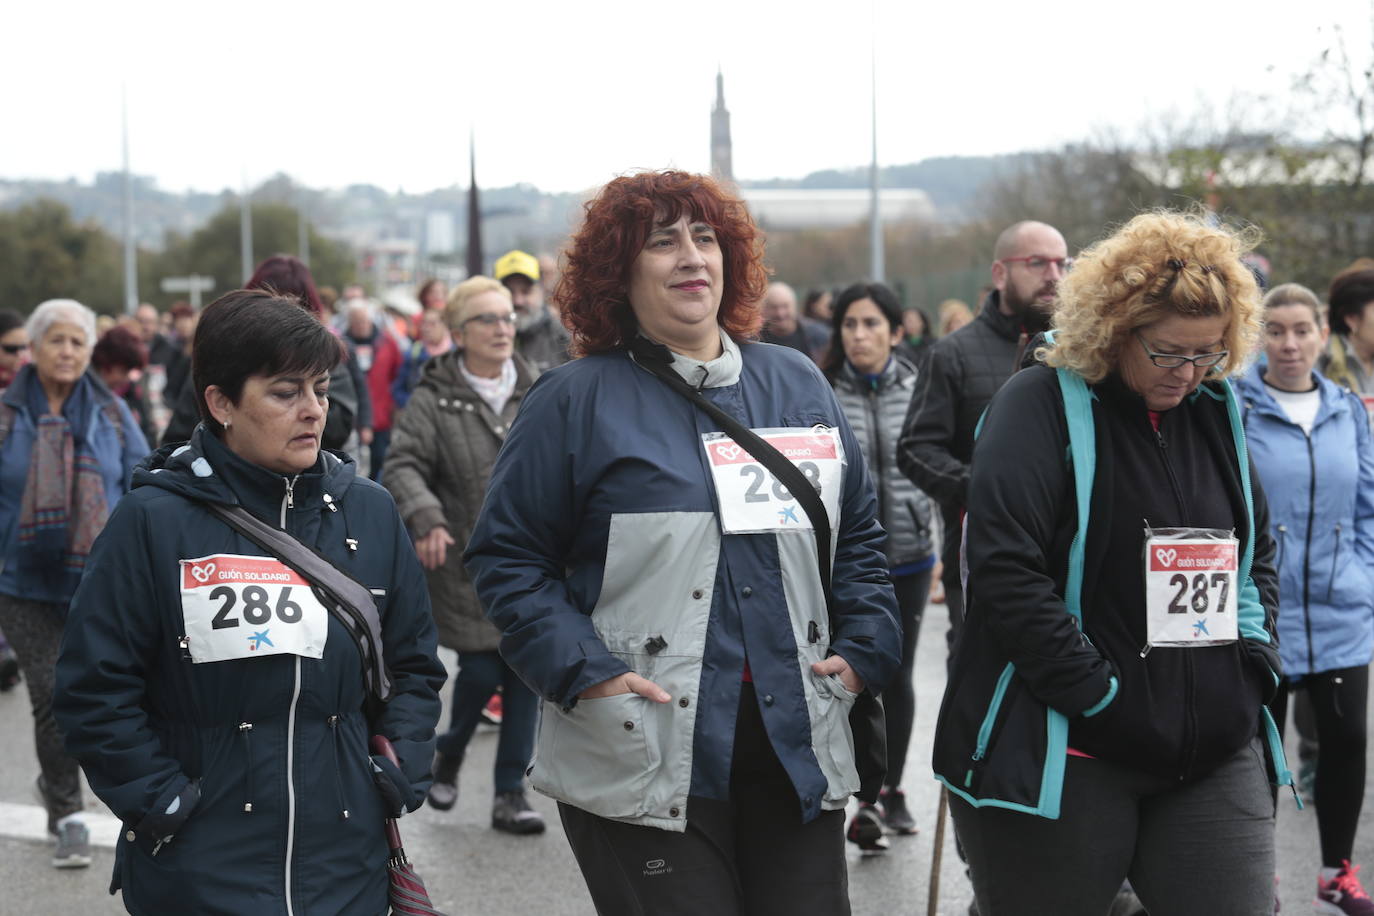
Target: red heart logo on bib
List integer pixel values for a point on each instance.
(728, 452)
(203, 573)
(1166, 557)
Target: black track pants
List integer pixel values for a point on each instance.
(749, 856)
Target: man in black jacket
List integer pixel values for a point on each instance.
(966, 369)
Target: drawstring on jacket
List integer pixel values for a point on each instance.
(338, 774)
(245, 728)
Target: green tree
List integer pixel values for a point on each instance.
(45, 254)
(214, 251)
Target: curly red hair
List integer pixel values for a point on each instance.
(591, 291)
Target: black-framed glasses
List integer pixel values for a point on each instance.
(1040, 263)
(1173, 360)
(490, 320)
(14, 349)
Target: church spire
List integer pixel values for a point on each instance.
(721, 167)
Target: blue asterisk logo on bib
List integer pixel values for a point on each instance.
(257, 639)
(788, 515)
(1200, 628)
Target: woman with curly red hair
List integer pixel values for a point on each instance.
(659, 588)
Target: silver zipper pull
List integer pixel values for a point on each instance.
(352, 544)
(329, 501)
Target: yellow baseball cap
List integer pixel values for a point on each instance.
(517, 262)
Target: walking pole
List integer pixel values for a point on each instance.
(933, 901)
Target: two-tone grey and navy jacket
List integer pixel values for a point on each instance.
(599, 551)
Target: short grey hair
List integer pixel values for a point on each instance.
(54, 310)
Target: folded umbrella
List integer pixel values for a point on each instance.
(406, 892)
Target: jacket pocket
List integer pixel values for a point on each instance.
(832, 738)
(599, 756)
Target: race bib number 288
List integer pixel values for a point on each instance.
(248, 607)
(753, 501)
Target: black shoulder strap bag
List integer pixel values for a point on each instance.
(345, 597)
(866, 719)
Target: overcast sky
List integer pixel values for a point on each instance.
(565, 95)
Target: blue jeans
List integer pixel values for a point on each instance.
(479, 674)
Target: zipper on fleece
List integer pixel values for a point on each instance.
(998, 694)
(288, 502)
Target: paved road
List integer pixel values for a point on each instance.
(471, 869)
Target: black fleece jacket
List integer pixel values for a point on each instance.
(1179, 711)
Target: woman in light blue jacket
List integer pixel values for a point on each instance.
(1310, 441)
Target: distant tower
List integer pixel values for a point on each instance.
(720, 135)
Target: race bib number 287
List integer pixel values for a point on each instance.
(1190, 589)
(239, 607)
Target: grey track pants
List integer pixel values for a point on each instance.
(1199, 848)
(34, 629)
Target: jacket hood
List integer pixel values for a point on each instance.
(205, 470)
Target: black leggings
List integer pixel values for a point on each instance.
(1340, 700)
(899, 700)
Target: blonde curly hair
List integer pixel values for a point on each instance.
(1161, 263)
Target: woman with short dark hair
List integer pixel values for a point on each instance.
(662, 593)
(220, 703)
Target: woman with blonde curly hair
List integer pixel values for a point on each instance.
(1104, 713)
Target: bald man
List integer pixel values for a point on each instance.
(784, 325)
(965, 370)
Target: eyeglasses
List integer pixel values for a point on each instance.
(14, 349)
(1173, 360)
(490, 320)
(1041, 264)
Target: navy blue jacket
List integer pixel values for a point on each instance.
(278, 812)
(115, 450)
(599, 551)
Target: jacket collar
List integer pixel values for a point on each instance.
(443, 374)
(1255, 396)
(1008, 326)
(720, 372)
(17, 394)
(205, 469)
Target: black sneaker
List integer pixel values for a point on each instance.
(73, 846)
(512, 814)
(866, 829)
(895, 813)
(443, 793)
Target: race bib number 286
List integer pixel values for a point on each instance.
(239, 607)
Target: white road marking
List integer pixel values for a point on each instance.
(30, 822)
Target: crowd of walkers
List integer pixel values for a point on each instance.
(680, 526)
